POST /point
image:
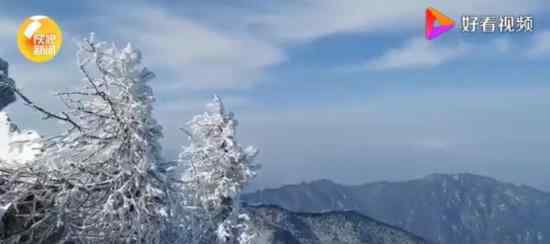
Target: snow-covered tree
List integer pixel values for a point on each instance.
(103, 179)
(98, 182)
(215, 170)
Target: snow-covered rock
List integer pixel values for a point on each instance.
(17, 146)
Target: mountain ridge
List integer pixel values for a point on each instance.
(432, 175)
(447, 208)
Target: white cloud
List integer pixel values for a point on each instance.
(541, 45)
(196, 55)
(417, 53)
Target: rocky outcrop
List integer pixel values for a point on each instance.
(7, 95)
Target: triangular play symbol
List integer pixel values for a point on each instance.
(445, 22)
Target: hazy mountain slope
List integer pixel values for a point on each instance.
(276, 225)
(452, 209)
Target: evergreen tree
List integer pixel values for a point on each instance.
(215, 170)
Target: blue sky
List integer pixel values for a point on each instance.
(346, 90)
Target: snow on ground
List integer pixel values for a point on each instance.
(17, 147)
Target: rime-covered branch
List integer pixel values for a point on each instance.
(27, 101)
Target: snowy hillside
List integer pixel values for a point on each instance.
(278, 226)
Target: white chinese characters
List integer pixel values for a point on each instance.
(502, 24)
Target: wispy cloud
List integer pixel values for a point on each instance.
(196, 55)
(416, 53)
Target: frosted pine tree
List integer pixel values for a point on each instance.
(97, 182)
(116, 149)
(216, 169)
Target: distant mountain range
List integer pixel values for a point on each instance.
(447, 209)
(275, 225)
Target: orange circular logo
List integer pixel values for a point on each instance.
(39, 38)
